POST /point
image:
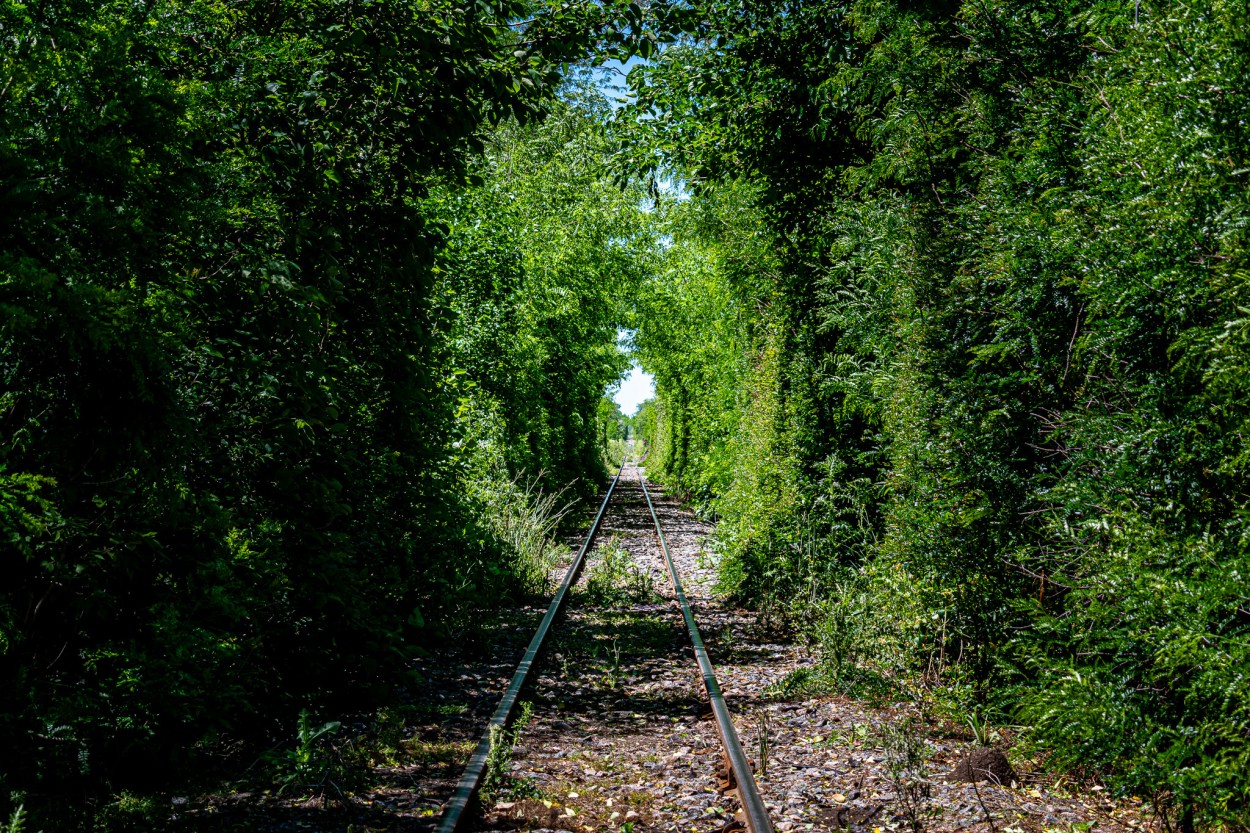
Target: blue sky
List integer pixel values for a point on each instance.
(637, 388)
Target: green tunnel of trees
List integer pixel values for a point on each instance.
(301, 303)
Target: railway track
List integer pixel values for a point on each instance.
(736, 779)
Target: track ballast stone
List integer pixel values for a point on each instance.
(622, 738)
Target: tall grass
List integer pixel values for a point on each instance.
(524, 518)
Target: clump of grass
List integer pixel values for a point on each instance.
(800, 682)
(610, 664)
(524, 518)
(616, 580)
(443, 754)
(498, 782)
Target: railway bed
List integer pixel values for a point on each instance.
(621, 738)
(626, 633)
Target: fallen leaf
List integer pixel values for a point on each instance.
(840, 798)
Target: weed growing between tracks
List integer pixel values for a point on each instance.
(498, 782)
(615, 579)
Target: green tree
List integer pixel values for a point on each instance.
(539, 275)
(228, 405)
(986, 372)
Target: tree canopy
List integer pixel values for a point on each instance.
(308, 310)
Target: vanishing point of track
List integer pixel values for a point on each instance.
(754, 815)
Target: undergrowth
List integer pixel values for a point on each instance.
(614, 579)
(524, 518)
(616, 452)
(498, 782)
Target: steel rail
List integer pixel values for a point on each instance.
(453, 811)
(756, 815)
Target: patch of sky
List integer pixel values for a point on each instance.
(636, 388)
(638, 385)
(610, 78)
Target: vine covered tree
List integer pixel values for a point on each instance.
(232, 383)
(968, 281)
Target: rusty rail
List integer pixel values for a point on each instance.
(756, 815)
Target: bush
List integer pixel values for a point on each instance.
(1143, 671)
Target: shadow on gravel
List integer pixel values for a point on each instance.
(246, 818)
(600, 658)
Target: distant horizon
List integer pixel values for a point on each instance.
(637, 387)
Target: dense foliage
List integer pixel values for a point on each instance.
(953, 337)
(541, 267)
(266, 305)
(309, 308)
